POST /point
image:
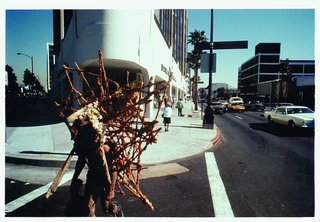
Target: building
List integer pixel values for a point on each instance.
(258, 77)
(147, 43)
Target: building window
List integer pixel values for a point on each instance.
(269, 68)
(269, 58)
(264, 78)
(309, 69)
(173, 26)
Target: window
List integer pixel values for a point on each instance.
(281, 111)
(269, 58)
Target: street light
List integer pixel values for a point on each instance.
(31, 57)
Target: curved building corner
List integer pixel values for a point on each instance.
(147, 43)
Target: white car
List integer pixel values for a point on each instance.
(292, 116)
(235, 100)
(224, 102)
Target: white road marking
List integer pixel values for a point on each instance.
(23, 200)
(238, 117)
(220, 200)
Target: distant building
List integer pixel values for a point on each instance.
(258, 76)
(147, 43)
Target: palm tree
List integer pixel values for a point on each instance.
(286, 77)
(193, 59)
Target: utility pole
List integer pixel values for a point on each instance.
(211, 46)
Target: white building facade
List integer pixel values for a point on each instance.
(147, 43)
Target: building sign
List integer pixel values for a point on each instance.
(167, 71)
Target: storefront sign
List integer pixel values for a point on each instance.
(167, 71)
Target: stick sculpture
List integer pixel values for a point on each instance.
(117, 116)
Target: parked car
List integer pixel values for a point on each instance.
(235, 107)
(292, 116)
(282, 104)
(254, 105)
(218, 107)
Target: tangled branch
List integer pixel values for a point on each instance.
(118, 117)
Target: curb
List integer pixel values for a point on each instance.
(38, 162)
(216, 139)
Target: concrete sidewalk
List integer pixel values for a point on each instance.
(49, 145)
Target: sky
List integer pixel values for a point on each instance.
(293, 28)
(28, 32)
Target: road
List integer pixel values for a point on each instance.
(266, 170)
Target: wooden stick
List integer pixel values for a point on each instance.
(58, 178)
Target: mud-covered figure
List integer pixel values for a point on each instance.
(98, 183)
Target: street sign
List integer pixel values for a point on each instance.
(205, 61)
(222, 45)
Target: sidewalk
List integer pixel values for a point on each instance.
(49, 145)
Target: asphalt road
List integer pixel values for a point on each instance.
(267, 169)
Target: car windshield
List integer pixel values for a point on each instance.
(299, 110)
(285, 104)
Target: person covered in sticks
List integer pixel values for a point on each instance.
(98, 155)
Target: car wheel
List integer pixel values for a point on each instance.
(292, 124)
(269, 119)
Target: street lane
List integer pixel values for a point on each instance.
(267, 170)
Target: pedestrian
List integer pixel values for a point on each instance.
(167, 116)
(180, 106)
(87, 147)
(208, 117)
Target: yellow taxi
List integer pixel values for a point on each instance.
(236, 107)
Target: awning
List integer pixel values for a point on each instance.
(115, 65)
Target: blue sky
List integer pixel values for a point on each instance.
(293, 28)
(28, 31)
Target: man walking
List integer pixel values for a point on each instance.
(180, 106)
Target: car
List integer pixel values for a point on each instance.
(235, 100)
(235, 107)
(218, 107)
(224, 102)
(282, 104)
(292, 116)
(254, 105)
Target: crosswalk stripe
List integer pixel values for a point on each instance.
(220, 200)
(23, 200)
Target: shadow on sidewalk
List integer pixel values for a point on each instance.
(28, 111)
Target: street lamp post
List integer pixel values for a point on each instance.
(31, 57)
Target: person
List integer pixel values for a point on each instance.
(208, 117)
(98, 183)
(173, 102)
(180, 106)
(167, 116)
